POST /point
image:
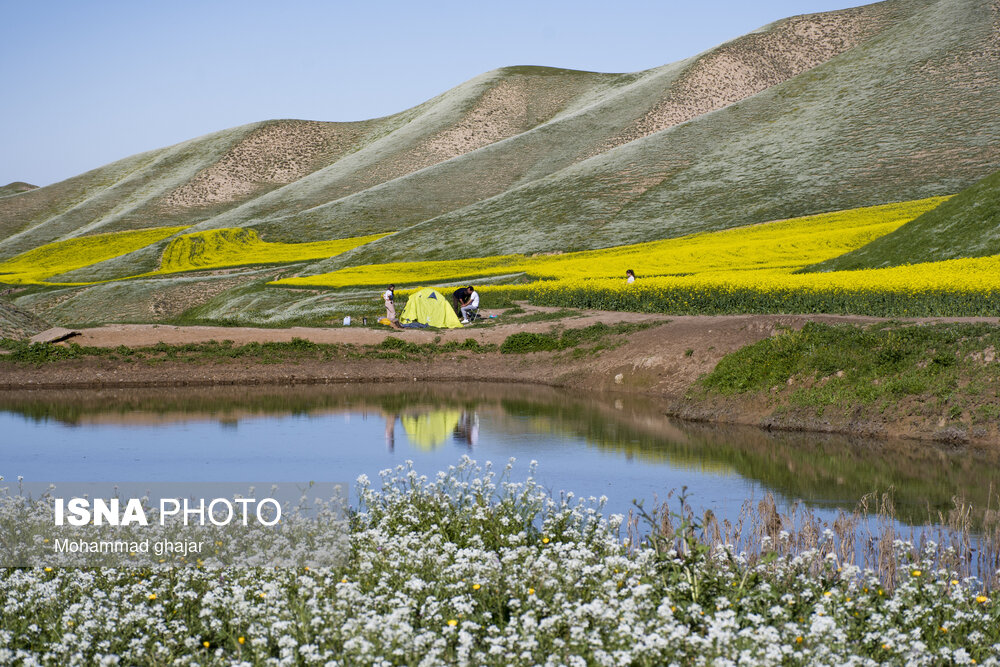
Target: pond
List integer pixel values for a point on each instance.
(621, 447)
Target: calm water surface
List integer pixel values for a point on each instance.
(618, 447)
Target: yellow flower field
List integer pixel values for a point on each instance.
(744, 270)
(972, 274)
(218, 248)
(958, 287)
(211, 249)
(32, 267)
(785, 244)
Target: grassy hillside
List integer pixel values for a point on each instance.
(17, 323)
(910, 113)
(17, 187)
(175, 186)
(615, 110)
(967, 225)
(302, 181)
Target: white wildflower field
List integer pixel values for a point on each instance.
(471, 568)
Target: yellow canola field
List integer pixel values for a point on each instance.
(34, 266)
(971, 274)
(211, 249)
(219, 248)
(784, 245)
(957, 287)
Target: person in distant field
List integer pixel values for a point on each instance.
(458, 298)
(471, 303)
(389, 296)
(630, 276)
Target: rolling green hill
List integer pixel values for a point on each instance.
(297, 180)
(967, 225)
(18, 323)
(17, 187)
(887, 102)
(910, 113)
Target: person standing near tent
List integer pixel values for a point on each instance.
(471, 304)
(458, 299)
(389, 296)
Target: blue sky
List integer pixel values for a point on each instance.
(87, 83)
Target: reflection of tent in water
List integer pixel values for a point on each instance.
(430, 429)
(430, 307)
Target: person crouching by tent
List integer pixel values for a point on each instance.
(389, 296)
(458, 298)
(471, 304)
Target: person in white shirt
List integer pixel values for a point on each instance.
(390, 307)
(471, 304)
(630, 276)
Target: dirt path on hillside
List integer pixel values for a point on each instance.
(490, 331)
(689, 327)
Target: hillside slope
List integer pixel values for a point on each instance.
(967, 225)
(908, 114)
(174, 186)
(894, 101)
(618, 110)
(301, 181)
(17, 323)
(17, 187)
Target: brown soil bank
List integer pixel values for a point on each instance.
(663, 361)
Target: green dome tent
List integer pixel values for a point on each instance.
(430, 307)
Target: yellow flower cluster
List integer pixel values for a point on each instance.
(34, 266)
(218, 248)
(974, 274)
(783, 245)
(412, 273)
(211, 249)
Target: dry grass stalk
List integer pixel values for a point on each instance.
(963, 540)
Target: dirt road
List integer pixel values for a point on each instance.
(692, 328)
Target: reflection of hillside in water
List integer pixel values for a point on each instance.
(640, 433)
(226, 404)
(821, 469)
(827, 469)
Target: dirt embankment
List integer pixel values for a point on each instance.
(663, 361)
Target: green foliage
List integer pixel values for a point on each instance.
(21, 351)
(394, 343)
(683, 300)
(850, 365)
(524, 342)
